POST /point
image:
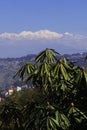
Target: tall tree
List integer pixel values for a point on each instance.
(63, 87)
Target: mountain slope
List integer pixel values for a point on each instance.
(9, 66)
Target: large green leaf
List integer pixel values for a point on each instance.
(62, 121)
(77, 115)
(48, 55)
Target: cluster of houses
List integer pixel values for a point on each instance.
(9, 91)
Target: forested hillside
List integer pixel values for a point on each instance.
(9, 66)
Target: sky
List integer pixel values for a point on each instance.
(29, 26)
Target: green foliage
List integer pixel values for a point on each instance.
(11, 117)
(61, 104)
(48, 55)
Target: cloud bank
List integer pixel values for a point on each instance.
(18, 44)
(42, 34)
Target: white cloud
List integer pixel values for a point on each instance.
(74, 36)
(42, 34)
(8, 35)
(68, 34)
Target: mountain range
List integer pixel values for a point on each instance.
(9, 66)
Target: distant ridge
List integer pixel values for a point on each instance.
(8, 66)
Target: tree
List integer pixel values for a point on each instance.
(63, 88)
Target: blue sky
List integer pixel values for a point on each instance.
(28, 26)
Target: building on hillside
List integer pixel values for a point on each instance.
(18, 88)
(10, 91)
